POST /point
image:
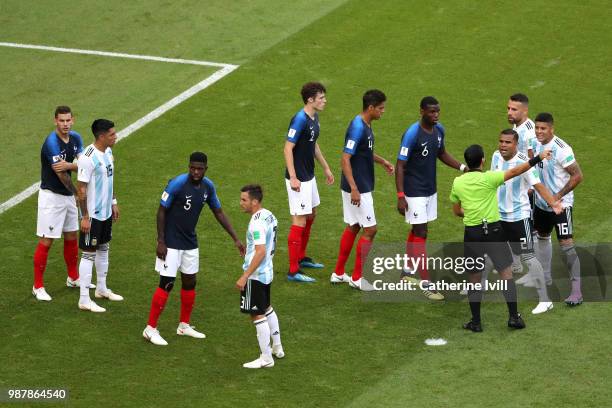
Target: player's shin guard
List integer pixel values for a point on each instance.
(40, 264)
(102, 267)
(294, 242)
(305, 237)
(573, 265)
(71, 257)
(543, 250)
(363, 248)
(475, 298)
(510, 296)
(346, 245)
(187, 301)
(263, 336)
(157, 306)
(85, 272)
(274, 327)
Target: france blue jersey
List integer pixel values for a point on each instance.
(184, 202)
(420, 151)
(359, 143)
(53, 150)
(262, 231)
(304, 132)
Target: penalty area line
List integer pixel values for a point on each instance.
(225, 69)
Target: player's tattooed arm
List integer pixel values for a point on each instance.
(329, 176)
(575, 178)
(402, 205)
(227, 226)
(161, 250)
(389, 168)
(448, 159)
(66, 180)
(347, 170)
(82, 201)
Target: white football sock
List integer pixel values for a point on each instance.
(274, 327)
(263, 336)
(102, 267)
(85, 271)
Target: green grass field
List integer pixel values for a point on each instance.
(341, 350)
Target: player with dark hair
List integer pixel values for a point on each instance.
(474, 198)
(518, 117)
(357, 185)
(515, 210)
(177, 243)
(255, 282)
(415, 178)
(57, 210)
(301, 149)
(99, 210)
(560, 175)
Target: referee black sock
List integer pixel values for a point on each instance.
(475, 298)
(510, 296)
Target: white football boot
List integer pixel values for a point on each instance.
(362, 284)
(278, 351)
(152, 334)
(110, 295)
(77, 283)
(262, 362)
(344, 278)
(92, 307)
(542, 307)
(41, 294)
(185, 329)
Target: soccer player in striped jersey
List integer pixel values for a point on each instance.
(99, 210)
(357, 186)
(300, 151)
(415, 179)
(254, 283)
(560, 175)
(515, 211)
(57, 210)
(177, 243)
(518, 116)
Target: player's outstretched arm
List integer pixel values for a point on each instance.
(549, 198)
(161, 250)
(347, 170)
(227, 226)
(448, 159)
(575, 178)
(329, 176)
(258, 257)
(389, 168)
(402, 205)
(521, 168)
(288, 153)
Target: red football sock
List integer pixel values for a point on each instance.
(294, 242)
(419, 250)
(305, 237)
(157, 306)
(363, 248)
(187, 300)
(40, 264)
(71, 256)
(346, 245)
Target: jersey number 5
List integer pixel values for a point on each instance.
(187, 205)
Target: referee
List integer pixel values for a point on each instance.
(474, 198)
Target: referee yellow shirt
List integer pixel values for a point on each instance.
(477, 193)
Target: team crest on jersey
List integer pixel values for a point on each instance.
(94, 242)
(439, 141)
(204, 196)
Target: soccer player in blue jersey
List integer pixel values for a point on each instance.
(415, 179)
(57, 210)
(357, 185)
(515, 211)
(255, 282)
(99, 210)
(177, 243)
(561, 175)
(301, 150)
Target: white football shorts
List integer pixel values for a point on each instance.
(421, 210)
(187, 261)
(57, 213)
(302, 202)
(362, 214)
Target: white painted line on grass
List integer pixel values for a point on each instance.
(115, 54)
(226, 69)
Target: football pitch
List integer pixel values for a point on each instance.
(341, 350)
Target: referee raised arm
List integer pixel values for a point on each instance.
(474, 198)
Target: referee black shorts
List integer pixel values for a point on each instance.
(255, 297)
(477, 242)
(518, 234)
(100, 232)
